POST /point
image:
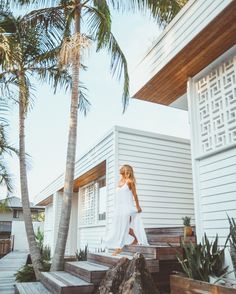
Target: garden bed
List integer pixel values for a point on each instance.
(183, 285)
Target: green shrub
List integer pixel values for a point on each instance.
(82, 253)
(203, 260)
(26, 273)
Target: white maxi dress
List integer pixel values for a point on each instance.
(125, 217)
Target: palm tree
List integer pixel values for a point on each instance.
(5, 148)
(26, 52)
(96, 27)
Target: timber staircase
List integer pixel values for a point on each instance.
(83, 276)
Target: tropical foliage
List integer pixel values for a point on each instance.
(200, 261)
(5, 148)
(232, 241)
(87, 21)
(26, 52)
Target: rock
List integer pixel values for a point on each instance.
(128, 277)
(113, 278)
(137, 279)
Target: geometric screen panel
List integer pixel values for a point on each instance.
(216, 107)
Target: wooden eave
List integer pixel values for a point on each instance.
(90, 176)
(171, 81)
(93, 174)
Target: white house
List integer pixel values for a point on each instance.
(12, 226)
(193, 66)
(162, 166)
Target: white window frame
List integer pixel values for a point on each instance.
(96, 221)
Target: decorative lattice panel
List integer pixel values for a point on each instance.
(87, 200)
(216, 107)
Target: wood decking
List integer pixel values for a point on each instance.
(9, 265)
(84, 276)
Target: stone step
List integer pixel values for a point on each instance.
(31, 288)
(108, 260)
(61, 282)
(88, 271)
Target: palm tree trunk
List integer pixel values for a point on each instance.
(34, 249)
(59, 252)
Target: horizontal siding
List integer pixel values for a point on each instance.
(163, 172)
(191, 20)
(101, 151)
(92, 237)
(48, 225)
(217, 190)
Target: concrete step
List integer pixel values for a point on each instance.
(64, 283)
(88, 271)
(108, 260)
(31, 288)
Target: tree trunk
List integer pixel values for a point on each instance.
(128, 277)
(58, 256)
(33, 247)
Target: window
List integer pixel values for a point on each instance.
(15, 213)
(87, 200)
(93, 203)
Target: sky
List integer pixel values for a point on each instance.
(47, 121)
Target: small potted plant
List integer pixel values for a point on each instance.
(188, 231)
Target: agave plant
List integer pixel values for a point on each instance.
(200, 261)
(232, 241)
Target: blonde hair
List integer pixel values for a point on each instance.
(128, 173)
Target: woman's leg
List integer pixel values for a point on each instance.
(131, 232)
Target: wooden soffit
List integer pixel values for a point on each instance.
(171, 81)
(92, 175)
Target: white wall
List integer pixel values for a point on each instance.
(48, 225)
(104, 150)
(20, 238)
(162, 167)
(212, 100)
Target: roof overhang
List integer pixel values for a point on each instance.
(93, 174)
(170, 82)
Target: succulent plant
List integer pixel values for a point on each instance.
(202, 260)
(232, 240)
(186, 221)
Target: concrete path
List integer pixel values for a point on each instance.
(9, 265)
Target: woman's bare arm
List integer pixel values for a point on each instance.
(134, 192)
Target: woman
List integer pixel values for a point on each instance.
(127, 221)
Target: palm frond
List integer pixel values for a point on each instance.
(5, 177)
(119, 66)
(161, 10)
(84, 104)
(54, 76)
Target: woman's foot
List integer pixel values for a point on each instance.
(117, 251)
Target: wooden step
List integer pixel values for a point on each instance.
(88, 271)
(31, 288)
(163, 239)
(167, 230)
(147, 251)
(64, 283)
(108, 260)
